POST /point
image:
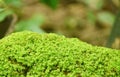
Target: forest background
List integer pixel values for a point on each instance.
(93, 21)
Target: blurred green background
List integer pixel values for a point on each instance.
(93, 21)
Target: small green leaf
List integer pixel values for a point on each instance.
(51, 3)
(1, 10)
(4, 14)
(15, 3)
(32, 24)
(106, 17)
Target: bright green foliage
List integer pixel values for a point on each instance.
(29, 54)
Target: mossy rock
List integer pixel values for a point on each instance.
(29, 54)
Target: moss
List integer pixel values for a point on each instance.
(29, 54)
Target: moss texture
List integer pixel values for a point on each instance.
(29, 54)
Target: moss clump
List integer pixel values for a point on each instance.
(29, 54)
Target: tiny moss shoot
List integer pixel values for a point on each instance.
(29, 54)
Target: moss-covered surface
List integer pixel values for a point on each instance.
(29, 54)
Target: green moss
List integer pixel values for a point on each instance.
(29, 54)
